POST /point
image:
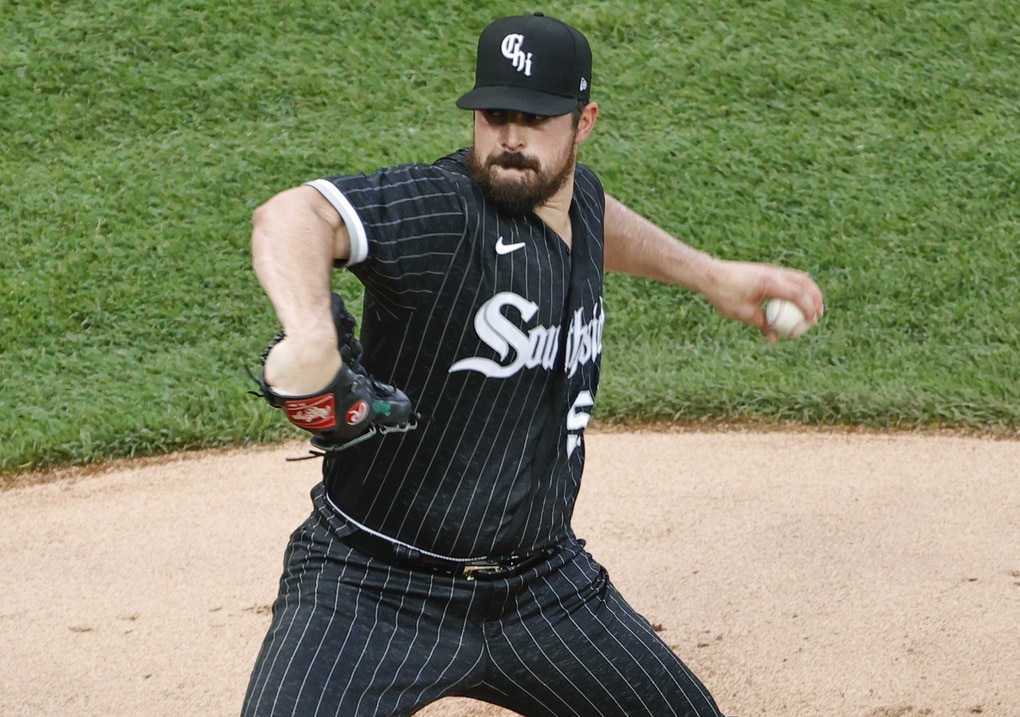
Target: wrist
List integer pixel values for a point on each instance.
(303, 363)
(700, 272)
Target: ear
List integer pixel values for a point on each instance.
(586, 123)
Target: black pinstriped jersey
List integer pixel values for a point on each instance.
(493, 327)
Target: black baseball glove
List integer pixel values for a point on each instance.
(354, 406)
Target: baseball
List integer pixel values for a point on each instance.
(785, 318)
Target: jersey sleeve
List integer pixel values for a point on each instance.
(404, 223)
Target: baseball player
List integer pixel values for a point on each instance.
(439, 557)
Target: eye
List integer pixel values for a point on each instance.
(496, 117)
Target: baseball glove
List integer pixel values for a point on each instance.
(353, 407)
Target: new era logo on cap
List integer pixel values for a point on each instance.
(532, 63)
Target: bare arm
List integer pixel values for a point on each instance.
(296, 235)
(636, 246)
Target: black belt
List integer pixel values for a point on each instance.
(405, 556)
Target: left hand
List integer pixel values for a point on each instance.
(738, 289)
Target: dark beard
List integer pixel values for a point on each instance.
(521, 197)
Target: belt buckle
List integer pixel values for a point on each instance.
(481, 569)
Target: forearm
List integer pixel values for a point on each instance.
(736, 289)
(294, 242)
(636, 246)
(292, 256)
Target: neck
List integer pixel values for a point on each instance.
(556, 211)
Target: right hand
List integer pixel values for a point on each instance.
(299, 366)
(738, 289)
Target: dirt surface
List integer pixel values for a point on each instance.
(797, 573)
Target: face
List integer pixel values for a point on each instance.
(521, 160)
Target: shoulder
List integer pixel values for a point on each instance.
(401, 191)
(583, 174)
(588, 188)
(450, 170)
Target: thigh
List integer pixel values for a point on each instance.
(578, 648)
(351, 636)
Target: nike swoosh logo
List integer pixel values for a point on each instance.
(502, 248)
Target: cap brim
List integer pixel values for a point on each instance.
(517, 99)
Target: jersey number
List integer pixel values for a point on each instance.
(577, 420)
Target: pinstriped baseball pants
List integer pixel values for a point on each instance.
(352, 636)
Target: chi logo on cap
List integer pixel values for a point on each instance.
(512, 51)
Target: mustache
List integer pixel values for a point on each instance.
(515, 160)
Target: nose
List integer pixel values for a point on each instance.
(512, 136)
(512, 141)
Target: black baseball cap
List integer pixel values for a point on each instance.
(531, 63)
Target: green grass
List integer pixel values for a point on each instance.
(872, 144)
